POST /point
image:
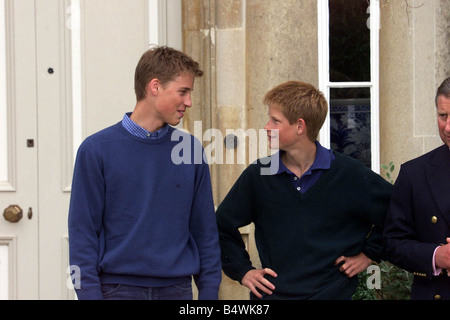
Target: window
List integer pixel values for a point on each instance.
(348, 76)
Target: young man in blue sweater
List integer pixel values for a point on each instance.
(318, 214)
(141, 223)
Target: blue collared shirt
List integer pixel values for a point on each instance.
(140, 132)
(323, 161)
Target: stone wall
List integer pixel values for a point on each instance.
(414, 60)
(246, 47)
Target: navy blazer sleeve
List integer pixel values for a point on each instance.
(401, 238)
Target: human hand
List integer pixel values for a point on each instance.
(254, 279)
(353, 265)
(442, 257)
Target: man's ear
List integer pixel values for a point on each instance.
(153, 87)
(301, 126)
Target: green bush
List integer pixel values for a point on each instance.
(395, 284)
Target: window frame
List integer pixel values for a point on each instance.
(324, 76)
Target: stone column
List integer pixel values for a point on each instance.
(246, 47)
(414, 60)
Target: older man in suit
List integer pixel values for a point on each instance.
(417, 228)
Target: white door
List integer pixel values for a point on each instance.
(70, 73)
(18, 162)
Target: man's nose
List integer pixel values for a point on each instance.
(188, 100)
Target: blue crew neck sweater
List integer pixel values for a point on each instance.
(138, 216)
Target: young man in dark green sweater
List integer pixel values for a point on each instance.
(318, 214)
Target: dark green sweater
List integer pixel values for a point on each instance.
(300, 236)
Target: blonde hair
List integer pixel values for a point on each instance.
(297, 100)
(165, 64)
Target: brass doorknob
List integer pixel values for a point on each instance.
(13, 213)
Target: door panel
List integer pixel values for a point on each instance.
(65, 81)
(19, 240)
(112, 36)
(54, 108)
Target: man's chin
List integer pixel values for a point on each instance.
(174, 122)
(446, 140)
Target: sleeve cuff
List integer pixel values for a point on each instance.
(436, 271)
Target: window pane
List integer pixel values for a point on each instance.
(349, 41)
(350, 123)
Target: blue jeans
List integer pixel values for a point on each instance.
(181, 291)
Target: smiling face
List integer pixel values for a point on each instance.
(443, 111)
(174, 98)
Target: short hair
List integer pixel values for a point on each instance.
(297, 100)
(165, 64)
(443, 90)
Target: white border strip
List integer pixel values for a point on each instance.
(4, 272)
(8, 267)
(157, 27)
(153, 22)
(375, 80)
(4, 156)
(77, 106)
